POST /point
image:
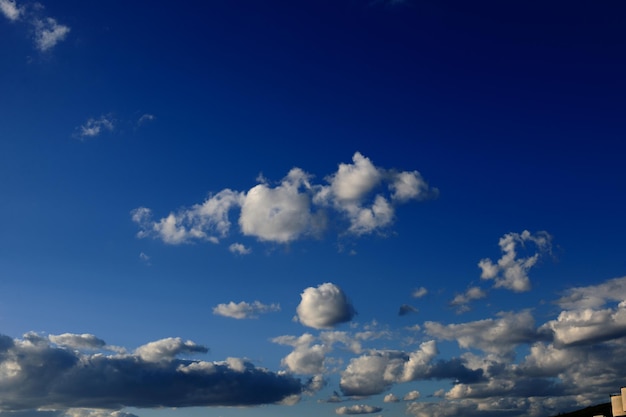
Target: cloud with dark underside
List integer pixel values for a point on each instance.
(37, 374)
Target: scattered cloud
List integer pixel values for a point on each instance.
(145, 258)
(324, 306)
(39, 375)
(48, 32)
(295, 208)
(419, 292)
(511, 271)
(390, 398)
(358, 409)
(376, 371)
(461, 300)
(244, 310)
(406, 309)
(94, 127)
(411, 396)
(499, 335)
(77, 341)
(145, 118)
(239, 249)
(10, 9)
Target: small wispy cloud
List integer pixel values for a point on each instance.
(244, 310)
(47, 31)
(145, 118)
(94, 127)
(419, 292)
(239, 249)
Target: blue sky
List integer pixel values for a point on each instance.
(277, 208)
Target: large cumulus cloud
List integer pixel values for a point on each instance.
(360, 194)
(324, 306)
(36, 374)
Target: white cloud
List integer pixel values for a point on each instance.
(411, 396)
(167, 349)
(93, 127)
(377, 370)
(499, 336)
(10, 9)
(390, 398)
(77, 341)
(244, 310)
(280, 214)
(207, 221)
(594, 295)
(588, 326)
(146, 118)
(353, 184)
(324, 306)
(461, 300)
(307, 357)
(294, 209)
(419, 292)
(239, 249)
(510, 271)
(48, 33)
(358, 409)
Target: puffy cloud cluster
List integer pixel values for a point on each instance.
(47, 31)
(358, 409)
(498, 336)
(35, 374)
(244, 310)
(364, 194)
(324, 306)
(378, 370)
(511, 271)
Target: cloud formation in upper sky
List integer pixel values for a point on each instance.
(511, 271)
(37, 374)
(47, 31)
(9, 9)
(93, 127)
(364, 196)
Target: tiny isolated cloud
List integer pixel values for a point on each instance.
(406, 309)
(358, 409)
(10, 10)
(145, 118)
(324, 306)
(511, 271)
(419, 292)
(94, 127)
(244, 310)
(391, 398)
(239, 249)
(411, 396)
